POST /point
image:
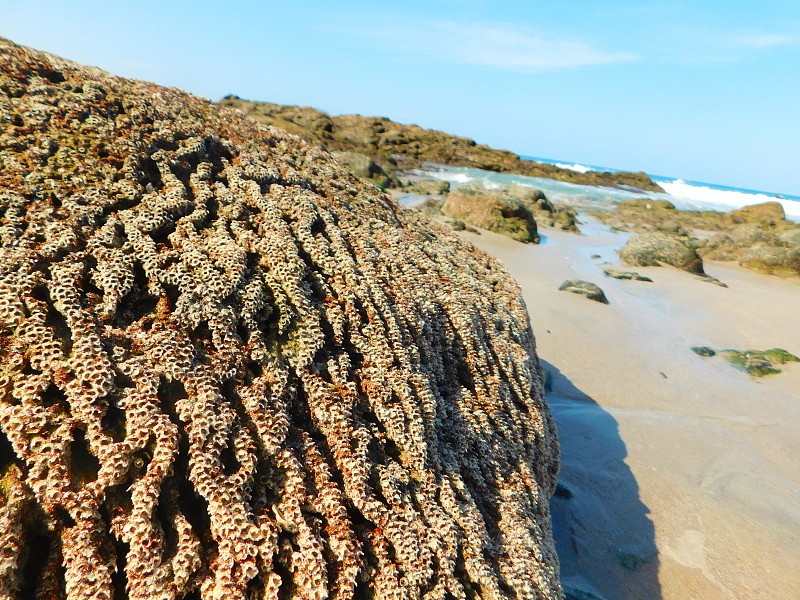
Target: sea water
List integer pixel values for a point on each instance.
(684, 194)
(697, 195)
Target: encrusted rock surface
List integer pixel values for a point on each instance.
(230, 369)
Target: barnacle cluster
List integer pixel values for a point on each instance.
(230, 369)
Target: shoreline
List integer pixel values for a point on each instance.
(682, 480)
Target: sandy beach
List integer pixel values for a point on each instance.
(680, 476)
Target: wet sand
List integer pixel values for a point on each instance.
(681, 474)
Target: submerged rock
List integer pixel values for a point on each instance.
(231, 369)
(584, 288)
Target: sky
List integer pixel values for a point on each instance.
(705, 90)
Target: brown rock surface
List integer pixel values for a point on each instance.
(230, 369)
(388, 142)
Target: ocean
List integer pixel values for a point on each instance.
(684, 194)
(699, 195)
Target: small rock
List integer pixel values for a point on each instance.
(632, 557)
(704, 351)
(584, 288)
(630, 275)
(714, 280)
(562, 491)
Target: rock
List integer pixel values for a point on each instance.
(652, 249)
(632, 557)
(758, 237)
(584, 288)
(428, 187)
(627, 275)
(759, 363)
(563, 491)
(412, 146)
(581, 591)
(230, 368)
(363, 166)
(704, 351)
(766, 212)
(479, 209)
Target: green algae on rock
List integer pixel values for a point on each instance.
(231, 369)
(759, 363)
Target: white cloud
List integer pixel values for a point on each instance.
(768, 40)
(497, 46)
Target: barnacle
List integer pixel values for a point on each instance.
(229, 369)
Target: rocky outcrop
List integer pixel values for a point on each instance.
(653, 249)
(231, 369)
(478, 207)
(410, 145)
(758, 237)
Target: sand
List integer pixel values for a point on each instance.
(681, 474)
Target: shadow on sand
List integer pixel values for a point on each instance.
(604, 537)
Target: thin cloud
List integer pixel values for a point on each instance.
(768, 40)
(496, 46)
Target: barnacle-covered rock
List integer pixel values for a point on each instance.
(230, 369)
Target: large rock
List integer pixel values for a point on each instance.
(653, 249)
(481, 208)
(231, 369)
(413, 146)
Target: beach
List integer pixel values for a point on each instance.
(680, 477)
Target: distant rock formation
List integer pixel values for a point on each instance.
(230, 369)
(411, 145)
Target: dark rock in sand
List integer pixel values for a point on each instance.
(704, 351)
(584, 288)
(653, 249)
(626, 275)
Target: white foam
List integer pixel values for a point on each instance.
(726, 198)
(578, 168)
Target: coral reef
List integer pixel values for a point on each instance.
(231, 369)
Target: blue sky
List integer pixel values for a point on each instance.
(704, 90)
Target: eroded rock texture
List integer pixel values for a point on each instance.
(232, 370)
